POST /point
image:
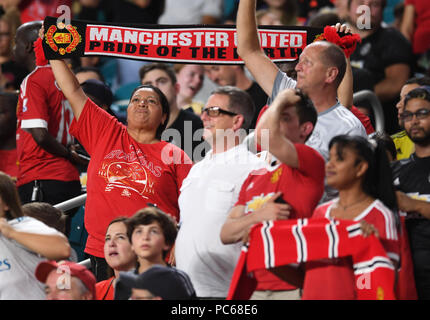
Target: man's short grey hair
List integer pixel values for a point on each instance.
(240, 102)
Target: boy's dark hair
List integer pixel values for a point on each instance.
(152, 214)
(46, 213)
(90, 69)
(422, 93)
(158, 66)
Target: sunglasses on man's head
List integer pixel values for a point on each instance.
(420, 114)
(216, 111)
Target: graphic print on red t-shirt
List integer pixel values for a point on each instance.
(129, 176)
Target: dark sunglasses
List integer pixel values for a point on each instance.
(216, 111)
(420, 114)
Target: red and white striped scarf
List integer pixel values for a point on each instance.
(277, 243)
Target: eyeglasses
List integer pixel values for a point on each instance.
(216, 111)
(420, 114)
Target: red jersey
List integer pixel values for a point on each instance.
(286, 242)
(365, 121)
(41, 104)
(9, 163)
(124, 175)
(334, 279)
(302, 188)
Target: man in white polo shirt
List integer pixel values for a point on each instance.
(211, 189)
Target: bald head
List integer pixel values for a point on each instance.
(26, 34)
(29, 32)
(332, 55)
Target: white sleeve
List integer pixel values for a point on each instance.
(282, 81)
(32, 225)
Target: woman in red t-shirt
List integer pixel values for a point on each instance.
(130, 165)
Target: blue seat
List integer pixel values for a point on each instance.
(78, 234)
(124, 92)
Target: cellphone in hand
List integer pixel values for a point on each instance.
(280, 200)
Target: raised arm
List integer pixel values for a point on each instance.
(68, 83)
(270, 124)
(345, 91)
(52, 247)
(407, 26)
(395, 77)
(248, 47)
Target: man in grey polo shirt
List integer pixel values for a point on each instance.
(320, 70)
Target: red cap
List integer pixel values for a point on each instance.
(44, 268)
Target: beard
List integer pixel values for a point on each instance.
(421, 140)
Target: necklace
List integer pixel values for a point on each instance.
(352, 204)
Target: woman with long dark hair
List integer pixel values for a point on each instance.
(359, 169)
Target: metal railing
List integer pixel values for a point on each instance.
(369, 96)
(70, 204)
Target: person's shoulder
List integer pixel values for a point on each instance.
(348, 118)
(305, 150)
(392, 36)
(321, 209)
(41, 75)
(399, 135)
(380, 207)
(390, 32)
(30, 224)
(399, 166)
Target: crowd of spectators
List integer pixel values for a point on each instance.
(180, 161)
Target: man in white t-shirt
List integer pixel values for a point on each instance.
(211, 189)
(320, 71)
